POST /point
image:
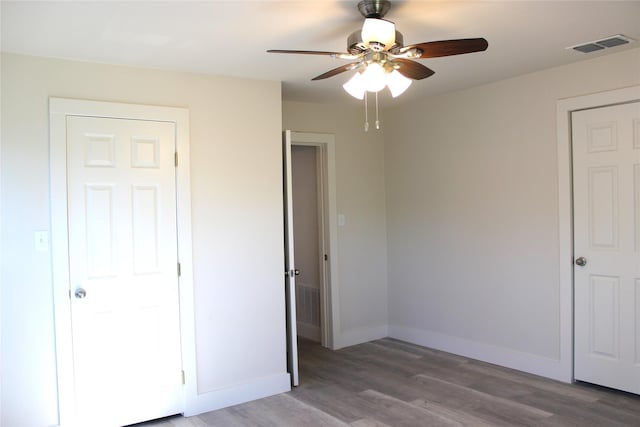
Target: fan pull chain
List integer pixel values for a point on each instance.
(377, 121)
(366, 114)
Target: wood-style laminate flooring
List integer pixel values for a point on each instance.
(393, 383)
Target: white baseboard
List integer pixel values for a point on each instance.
(240, 393)
(359, 336)
(547, 367)
(311, 332)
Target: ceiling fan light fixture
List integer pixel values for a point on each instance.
(355, 86)
(397, 83)
(375, 77)
(378, 31)
(382, 60)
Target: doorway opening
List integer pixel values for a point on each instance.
(313, 192)
(314, 300)
(606, 193)
(569, 249)
(308, 232)
(84, 135)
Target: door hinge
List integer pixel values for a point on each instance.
(179, 270)
(176, 158)
(182, 377)
(326, 257)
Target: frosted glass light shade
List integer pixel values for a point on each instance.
(355, 86)
(375, 78)
(378, 30)
(397, 83)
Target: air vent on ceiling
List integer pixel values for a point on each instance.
(612, 41)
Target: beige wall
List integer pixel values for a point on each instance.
(472, 209)
(460, 189)
(236, 180)
(362, 252)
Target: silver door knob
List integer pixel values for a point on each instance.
(296, 272)
(581, 261)
(80, 293)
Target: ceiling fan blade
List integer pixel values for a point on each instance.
(413, 70)
(449, 47)
(308, 52)
(335, 71)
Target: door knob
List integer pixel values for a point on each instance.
(581, 261)
(292, 273)
(80, 293)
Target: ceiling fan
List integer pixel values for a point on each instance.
(381, 59)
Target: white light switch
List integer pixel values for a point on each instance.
(341, 220)
(41, 240)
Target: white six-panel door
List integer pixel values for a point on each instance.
(606, 179)
(123, 270)
(290, 265)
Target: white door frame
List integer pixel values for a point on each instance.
(329, 292)
(59, 109)
(565, 209)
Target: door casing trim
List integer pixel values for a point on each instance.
(564, 108)
(59, 109)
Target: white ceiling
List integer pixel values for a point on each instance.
(231, 37)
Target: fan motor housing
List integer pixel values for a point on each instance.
(356, 46)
